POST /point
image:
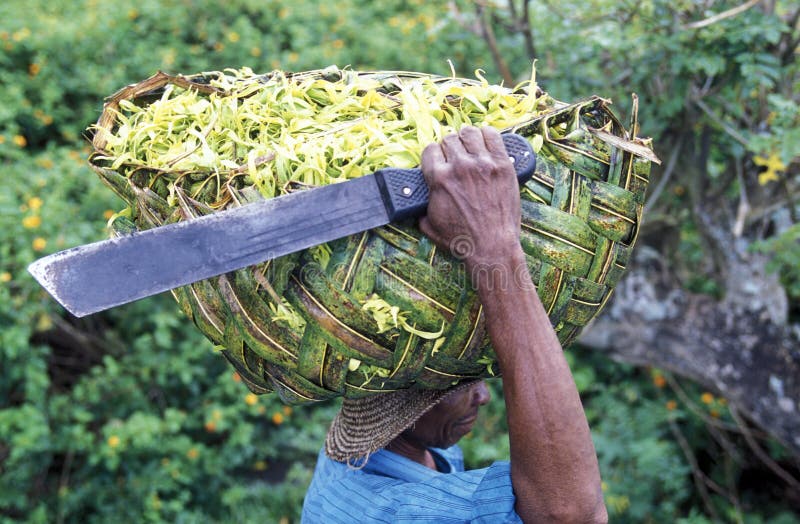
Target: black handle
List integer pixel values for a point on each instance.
(405, 192)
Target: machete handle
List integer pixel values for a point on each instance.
(405, 193)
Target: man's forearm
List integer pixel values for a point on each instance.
(553, 462)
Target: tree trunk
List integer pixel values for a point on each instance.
(739, 347)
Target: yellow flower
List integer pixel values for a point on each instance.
(19, 141)
(108, 213)
(193, 453)
(773, 165)
(35, 203)
(31, 221)
(45, 163)
(5, 276)
(659, 380)
(113, 441)
(255, 51)
(260, 465)
(707, 398)
(39, 244)
(233, 36)
(277, 418)
(287, 410)
(219, 46)
(211, 426)
(671, 405)
(293, 57)
(2, 139)
(338, 43)
(33, 69)
(133, 14)
(251, 399)
(21, 35)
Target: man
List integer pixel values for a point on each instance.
(391, 457)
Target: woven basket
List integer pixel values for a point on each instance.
(581, 214)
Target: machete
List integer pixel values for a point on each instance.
(94, 277)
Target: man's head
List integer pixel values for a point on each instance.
(429, 417)
(449, 420)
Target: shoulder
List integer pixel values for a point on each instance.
(391, 488)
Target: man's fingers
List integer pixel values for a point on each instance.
(433, 161)
(472, 140)
(493, 141)
(453, 147)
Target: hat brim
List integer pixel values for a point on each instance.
(365, 425)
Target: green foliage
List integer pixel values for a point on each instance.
(785, 252)
(130, 416)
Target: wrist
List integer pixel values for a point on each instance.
(503, 271)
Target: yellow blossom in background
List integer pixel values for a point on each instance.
(113, 441)
(255, 51)
(219, 46)
(338, 43)
(108, 213)
(287, 410)
(659, 381)
(33, 69)
(260, 465)
(5, 276)
(251, 399)
(210, 426)
(133, 14)
(45, 163)
(35, 203)
(192, 453)
(277, 418)
(2, 139)
(235, 376)
(671, 405)
(773, 165)
(39, 244)
(21, 35)
(707, 398)
(293, 57)
(233, 36)
(19, 141)
(31, 222)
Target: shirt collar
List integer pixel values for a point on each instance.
(389, 464)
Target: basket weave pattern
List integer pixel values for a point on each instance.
(581, 214)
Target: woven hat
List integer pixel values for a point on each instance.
(365, 425)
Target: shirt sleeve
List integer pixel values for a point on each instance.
(475, 496)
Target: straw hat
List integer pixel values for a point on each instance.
(365, 425)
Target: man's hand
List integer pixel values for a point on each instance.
(474, 208)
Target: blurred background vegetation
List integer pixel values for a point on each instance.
(129, 416)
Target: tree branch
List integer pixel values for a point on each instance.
(488, 36)
(722, 16)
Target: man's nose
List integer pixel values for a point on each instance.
(480, 394)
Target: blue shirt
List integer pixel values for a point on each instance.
(393, 488)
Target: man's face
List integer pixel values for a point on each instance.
(450, 419)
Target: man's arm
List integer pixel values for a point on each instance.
(474, 210)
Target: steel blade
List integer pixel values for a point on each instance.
(98, 276)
